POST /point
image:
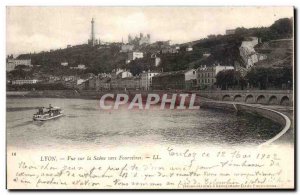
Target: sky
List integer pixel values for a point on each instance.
(35, 29)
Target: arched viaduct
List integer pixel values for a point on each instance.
(270, 97)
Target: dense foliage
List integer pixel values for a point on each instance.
(266, 78)
(230, 79)
(258, 78)
(97, 59)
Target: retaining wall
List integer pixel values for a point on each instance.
(273, 115)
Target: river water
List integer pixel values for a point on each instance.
(85, 125)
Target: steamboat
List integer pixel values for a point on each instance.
(49, 113)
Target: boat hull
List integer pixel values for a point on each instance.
(47, 118)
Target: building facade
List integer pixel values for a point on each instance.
(82, 86)
(141, 40)
(131, 83)
(53, 79)
(70, 78)
(103, 83)
(125, 74)
(206, 76)
(157, 61)
(79, 81)
(126, 83)
(127, 48)
(184, 79)
(10, 66)
(230, 32)
(92, 83)
(64, 63)
(146, 80)
(169, 49)
(189, 48)
(135, 55)
(12, 63)
(24, 81)
(120, 73)
(79, 67)
(248, 53)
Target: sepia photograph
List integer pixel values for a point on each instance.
(150, 98)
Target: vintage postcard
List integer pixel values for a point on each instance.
(144, 98)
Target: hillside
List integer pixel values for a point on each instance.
(223, 49)
(97, 59)
(279, 53)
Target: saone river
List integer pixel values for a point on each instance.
(86, 125)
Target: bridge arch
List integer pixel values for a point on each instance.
(285, 101)
(273, 100)
(237, 98)
(226, 98)
(249, 99)
(261, 99)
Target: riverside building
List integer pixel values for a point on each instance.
(206, 75)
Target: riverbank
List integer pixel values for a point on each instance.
(55, 94)
(286, 135)
(86, 94)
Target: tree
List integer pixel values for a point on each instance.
(229, 79)
(266, 78)
(282, 26)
